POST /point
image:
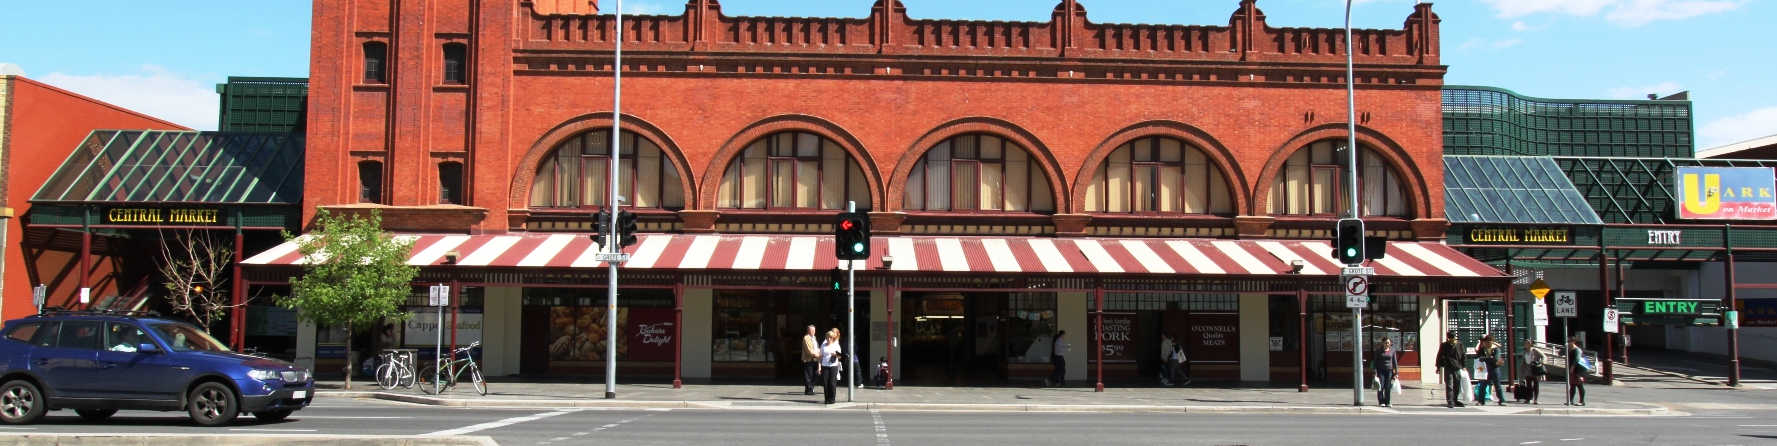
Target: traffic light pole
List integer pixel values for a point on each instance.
(851, 317)
(1357, 319)
(614, 242)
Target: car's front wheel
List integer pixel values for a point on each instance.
(21, 402)
(272, 416)
(212, 404)
(95, 414)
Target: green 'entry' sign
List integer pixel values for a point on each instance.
(1669, 307)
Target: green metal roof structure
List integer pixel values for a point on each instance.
(1493, 121)
(263, 104)
(1511, 189)
(155, 166)
(1636, 190)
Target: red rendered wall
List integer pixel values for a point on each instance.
(44, 125)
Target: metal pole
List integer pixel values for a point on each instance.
(1357, 319)
(613, 242)
(678, 334)
(437, 350)
(1733, 329)
(851, 324)
(1302, 335)
(1098, 348)
(894, 295)
(1610, 302)
(1511, 328)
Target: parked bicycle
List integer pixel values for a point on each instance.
(451, 371)
(396, 369)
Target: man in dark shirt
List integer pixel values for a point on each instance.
(1450, 363)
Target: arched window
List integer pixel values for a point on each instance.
(1310, 183)
(370, 182)
(574, 175)
(1159, 174)
(978, 172)
(376, 55)
(456, 56)
(793, 170)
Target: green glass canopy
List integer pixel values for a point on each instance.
(157, 166)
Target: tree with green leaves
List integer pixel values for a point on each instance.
(354, 275)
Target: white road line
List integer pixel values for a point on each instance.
(243, 429)
(581, 434)
(608, 426)
(1572, 439)
(1529, 442)
(881, 429)
(559, 439)
(499, 424)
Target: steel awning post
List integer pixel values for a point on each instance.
(1511, 325)
(1727, 244)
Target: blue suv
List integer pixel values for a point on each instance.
(98, 363)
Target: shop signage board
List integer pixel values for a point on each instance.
(148, 216)
(1215, 338)
(651, 334)
(1519, 236)
(1566, 304)
(1758, 312)
(421, 328)
(1119, 337)
(1726, 193)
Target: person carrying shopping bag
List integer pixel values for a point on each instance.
(830, 364)
(1488, 351)
(1449, 361)
(1386, 363)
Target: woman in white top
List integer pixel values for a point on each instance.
(830, 363)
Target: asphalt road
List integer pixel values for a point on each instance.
(858, 427)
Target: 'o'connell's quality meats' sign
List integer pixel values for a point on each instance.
(1726, 193)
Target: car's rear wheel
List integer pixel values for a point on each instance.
(95, 414)
(212, 404)
(21, 402)
(271, 416)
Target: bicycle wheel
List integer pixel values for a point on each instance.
(475, 377)
(429, 382)
(404, 376)
(386, 376)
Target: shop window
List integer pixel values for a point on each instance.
(1029, 327)
(576, 174)
(1158, 174)
(577, 321)
(1309, 183)
(370, 182)
(978, 172)
(375, 61)
(1391, 317)
(456, 56)
(793, 171)
(450, 182)
(744, 328)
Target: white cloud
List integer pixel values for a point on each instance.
(11, 69)
(154, 91)
(1754, 124)
(1627, 13)
(1520, 26)
(1641, 91)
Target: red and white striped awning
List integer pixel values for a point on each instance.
(974, 254)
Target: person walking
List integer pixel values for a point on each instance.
(1534, 358)
(830, 364)
(1450, 364)
(1386, 363)
(1488, 351)
(811, 356)
(1576, 371)
(1166, 359)
(1057, 357)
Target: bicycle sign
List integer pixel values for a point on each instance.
(1566, 305)
(1357, 291)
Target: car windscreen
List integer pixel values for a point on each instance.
(186, 338)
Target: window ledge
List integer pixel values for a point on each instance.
(451, 87)
(370, 87)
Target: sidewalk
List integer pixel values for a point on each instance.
(996, 399)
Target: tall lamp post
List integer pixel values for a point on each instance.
(1357, 314)
(613, 244)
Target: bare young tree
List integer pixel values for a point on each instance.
(195, 266)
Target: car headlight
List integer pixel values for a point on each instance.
(263, 375)
(294, 376)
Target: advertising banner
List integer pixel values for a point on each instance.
(1119, 337)
(1214, 338)
(650, 333)
(1726, 193)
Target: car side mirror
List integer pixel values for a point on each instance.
(147, 348)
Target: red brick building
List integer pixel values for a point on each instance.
(1177, 169)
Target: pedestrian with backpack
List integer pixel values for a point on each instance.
(1577, 368)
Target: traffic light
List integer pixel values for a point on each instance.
(836, 279)
(1348, 241)
(626, 228)
(851, 236)
(601, 227)
(1375, 247)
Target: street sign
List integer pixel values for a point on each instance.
(1566, 305)
(1357, 291)
(1610, 320)
(86, 296)
(1539, 314)
(1357, 271)
(1539, 288)
(1733, 319)
(39, 294)
(440, 295)
(611, 257)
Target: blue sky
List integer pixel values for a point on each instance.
(165, 58)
